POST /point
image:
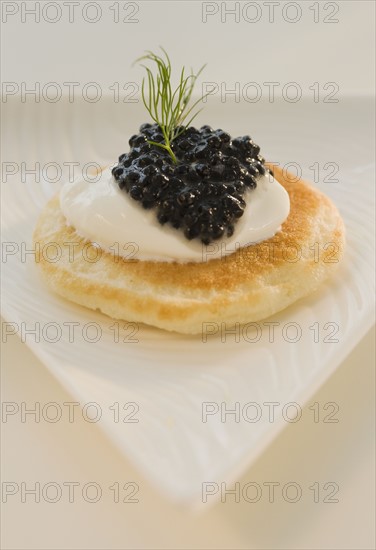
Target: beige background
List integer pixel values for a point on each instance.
(235, 51)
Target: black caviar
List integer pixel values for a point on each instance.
(203, 193)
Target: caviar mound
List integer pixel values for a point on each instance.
(203, 193)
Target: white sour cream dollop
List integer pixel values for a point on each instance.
(102, 213)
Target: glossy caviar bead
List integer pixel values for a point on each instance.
(215, 158)
(191, 232)
(192, 176)
(133, 176)
(167, 169)
(182, 169)
(250, 181)
(117, 172)
(202, 150)
(260, 168)
(214, 142)
(162, 217)
(131, 140)
(145, 126)
(202, 170)
(186, 198)
(223, 136)
(185, 144)
(202, 194)
(150, 170)
(136, 192)
(253, 170)
(144, 160)
(161, 180)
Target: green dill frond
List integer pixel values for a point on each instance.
(169, 109)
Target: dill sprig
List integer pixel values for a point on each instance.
(169, 109)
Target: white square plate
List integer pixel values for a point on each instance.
(168, 377)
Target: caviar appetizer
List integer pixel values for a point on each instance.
(206, 231)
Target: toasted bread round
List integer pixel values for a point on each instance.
(247, 285)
